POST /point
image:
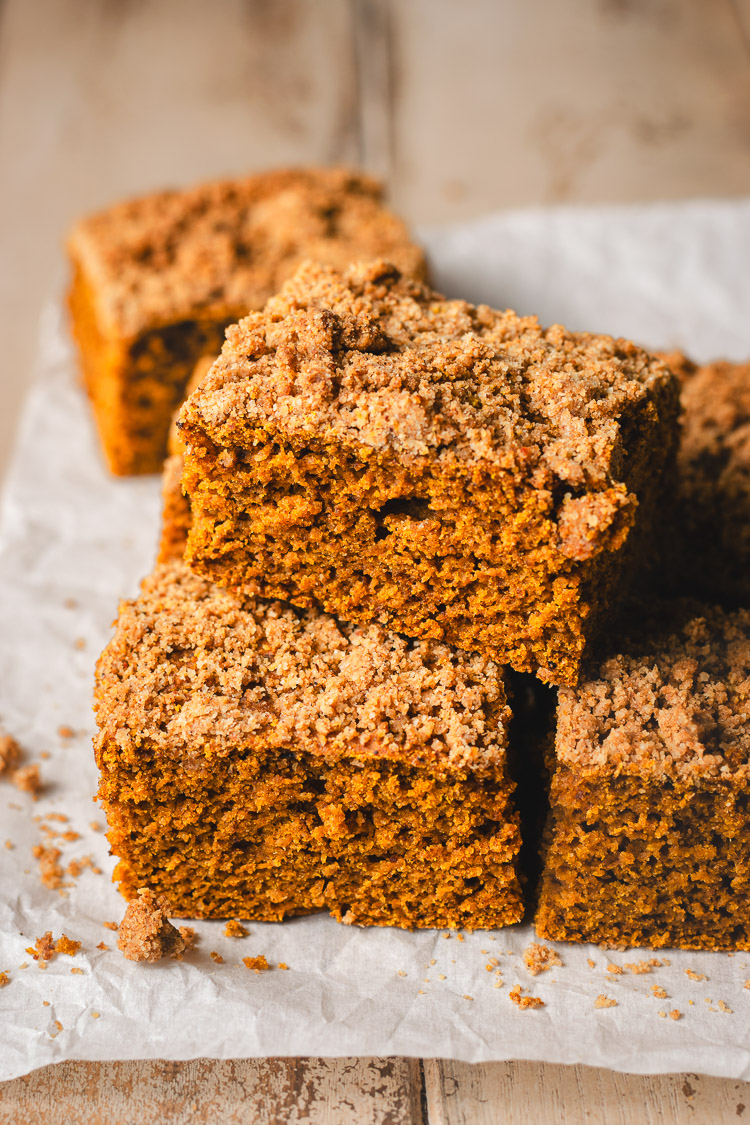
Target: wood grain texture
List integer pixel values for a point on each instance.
(205, 1092)
(588, 100)
(524, 1093)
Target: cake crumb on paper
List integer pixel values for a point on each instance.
(111, 926)
(189, 937)
(659, 992)
(28, 779)
(65, 731)
(216, 957)
(234, 928)
(725, 1007)
(10, 754)
(695, 976)
(50, 871)
(67, 946)
(675, 1014)
(4, 979)
(521, 1001)
(146, 934)
(256, 964)
(603, 1001)
(76, 972)
(540, 958)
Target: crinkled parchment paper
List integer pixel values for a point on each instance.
(73, 541)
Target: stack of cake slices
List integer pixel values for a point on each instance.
(386, 516)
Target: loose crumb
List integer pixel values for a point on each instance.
(617, 969)
(10, 754)
(492, 964)
(640, 967)
(76, 971)
(146, 934)
(4, 979)
(102, 945)
(661, 1014)
(66, 732)
(58, 817)
(540, 958)
(660, 992)
(235, 929)
(459, 937)
(28, 779)
(95, 826)
(43, 948)
(282, 965)
(724, 1007)
(603, 1001)
(111, 925)
(217, 957)
(695, 976)
(257, 964)
(591, 964)
(675, 1014)
(522, 1002)
(50, 871)
(9, 845)
(66, 945)
(189, 936)
(95, 1015)
(79, 643)
(467, 997)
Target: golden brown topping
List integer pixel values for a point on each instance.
(225, 247)
(196, 670)
(146, 933)
(679, 704)
(373, 359)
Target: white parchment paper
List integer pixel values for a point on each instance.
(73, 541)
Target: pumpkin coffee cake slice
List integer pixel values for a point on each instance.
(446, 470)
(648, 839)
(259, 761)
(157, 279)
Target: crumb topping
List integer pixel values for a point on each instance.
(145, 933)
(373, 359)
(225, 247)
(681, 705)
(196, 670)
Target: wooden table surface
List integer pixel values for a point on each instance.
(463, 106)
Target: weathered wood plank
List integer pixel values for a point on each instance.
(100, 99)
(233, 1092)
(525, 1093)
(589, 100)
